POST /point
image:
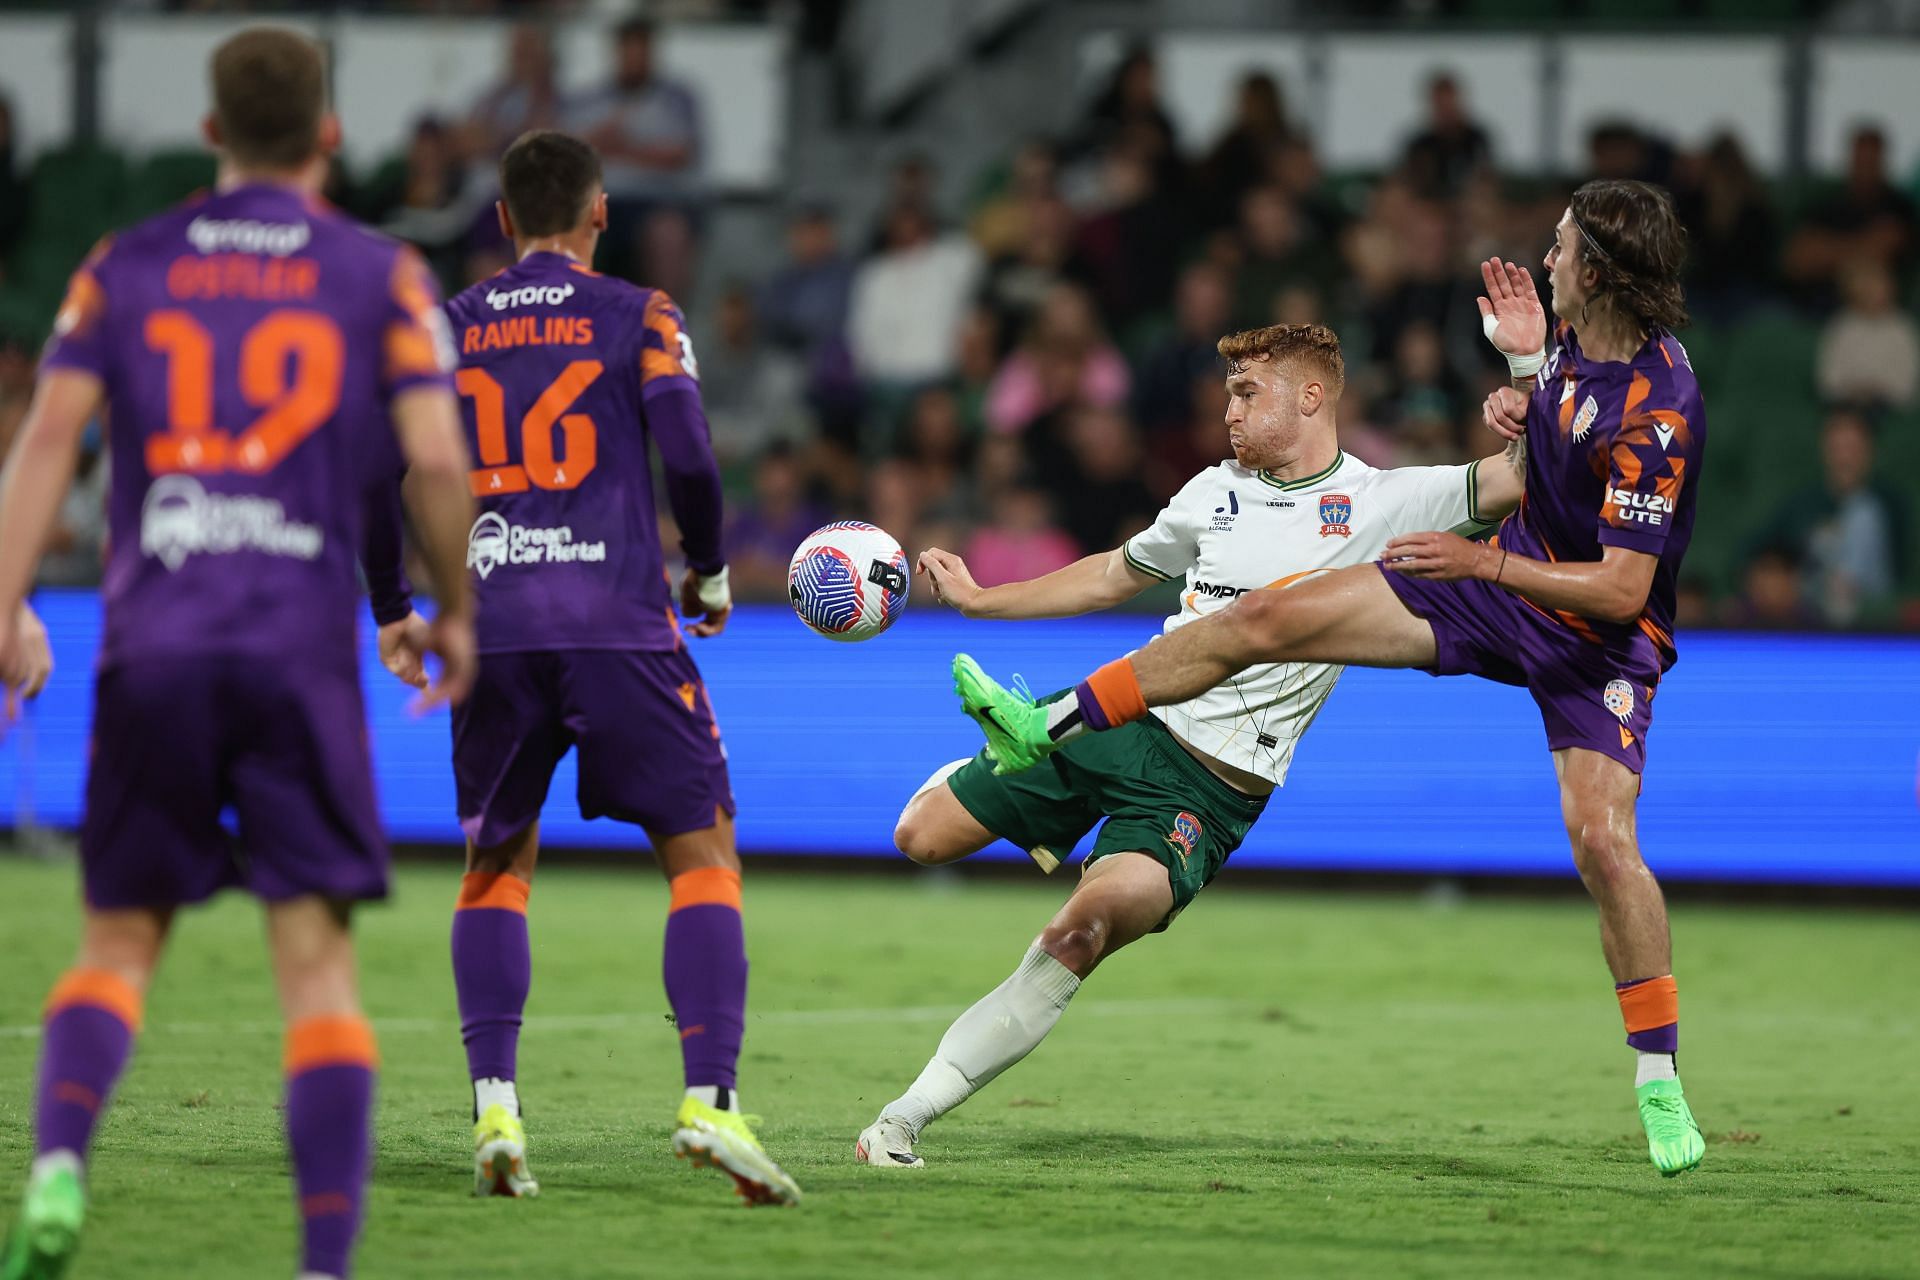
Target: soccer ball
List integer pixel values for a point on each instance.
(848, 580)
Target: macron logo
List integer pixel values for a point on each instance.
(243, 235)
(550, 295)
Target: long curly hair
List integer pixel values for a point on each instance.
(1632, 239)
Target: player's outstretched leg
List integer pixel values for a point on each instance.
(1120, 898)
(92, 1016)
(330, 1065)
(492, 972)
(1597, 798)
(705, 971)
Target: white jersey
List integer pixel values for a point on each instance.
(1231, 530)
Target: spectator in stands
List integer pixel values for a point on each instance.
(1244, 152)
(1202, 313)
(1280, 253)
(527, 96)
(1003, 224)
(1424, 397)
(753, 393)
(1294, 167)
(1019, 540)
(1619, 149)
(1016, 285)
(979, 352)
(1123, 244)
(1771, 595)
(428, 200)
(1103, 497)
(13, 189)
(803, 311)
(1725, 208)
(908, 301)
(1869, 218)
(648, 131)
(1848, 530)
(1870, 349)
(762, 534)
(1129, 109)
(937, 443)
(1450, 148)
(1066, 358)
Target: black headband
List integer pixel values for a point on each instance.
(1587, 235)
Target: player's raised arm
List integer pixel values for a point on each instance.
(1092, 583)
(1513, 319)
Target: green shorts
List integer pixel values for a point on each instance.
(1156, 799)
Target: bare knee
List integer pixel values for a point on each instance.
(917, 837)
(1079, 945)
(1605, 852)
(517, 854)
(1269, 624)
(934, 830)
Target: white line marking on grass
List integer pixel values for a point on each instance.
(769, 1018)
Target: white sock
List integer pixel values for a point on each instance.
(1653, 1066)
(715, 1095)
(488, 1090)
(60, 1159)
(1063, 717)
(994, 1034)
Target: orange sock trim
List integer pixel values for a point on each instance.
(1117, 689)
(96, 989)
(502, 892)
(330, 1040)
(704, 886)
(1650, 1004)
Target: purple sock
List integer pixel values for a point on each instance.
(88, 1037)
(705, 968)
(492, 971)
(330, 1072)
(1092, 714)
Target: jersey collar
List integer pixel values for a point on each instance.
(1307, 482)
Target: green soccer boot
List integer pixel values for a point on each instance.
(1015, 725)
(47, 1231)
(1673, 1138)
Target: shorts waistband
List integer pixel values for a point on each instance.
(1182, 761)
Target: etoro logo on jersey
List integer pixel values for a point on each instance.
(494, 542)
(1336, 515)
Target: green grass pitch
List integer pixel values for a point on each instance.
(1284, 1084)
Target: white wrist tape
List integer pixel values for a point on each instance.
(714, 592)
(1520, 366)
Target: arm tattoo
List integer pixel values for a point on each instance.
(1516, 456)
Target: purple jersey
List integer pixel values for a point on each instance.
(249, 343)
(565, 375)
(1613, 460)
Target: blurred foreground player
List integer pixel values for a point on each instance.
(1572, 598)
(564, 376)
(260, 354)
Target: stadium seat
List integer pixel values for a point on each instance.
(79, 194)
(166, 178)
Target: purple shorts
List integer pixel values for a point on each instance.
(1598, 696)
(649, 750)
(179, 742)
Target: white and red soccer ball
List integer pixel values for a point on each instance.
(848, 580)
